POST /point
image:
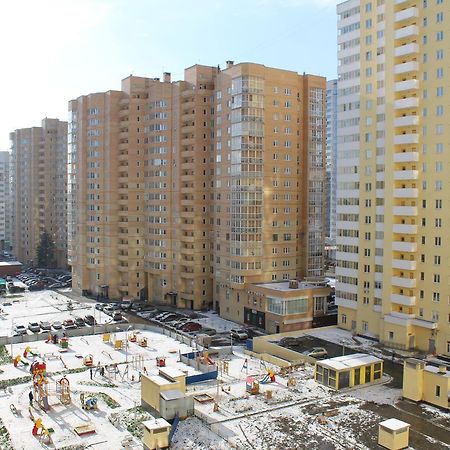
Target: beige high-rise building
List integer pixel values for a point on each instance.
(39, 189)
(393, 161)
(188, 192)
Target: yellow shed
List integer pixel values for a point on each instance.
(349, 371)
(393, 434)
(156, 434)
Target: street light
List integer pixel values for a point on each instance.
(126, 342)
(231, 342)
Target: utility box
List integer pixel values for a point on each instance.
(393, 434)
(156, 434)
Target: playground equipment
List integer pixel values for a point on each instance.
(28, 350)
(18, 359)
(143, 342)
(88, 360)
(225, 367)
(45, 433)
(63, 391)
(112, 339)
(106, 337)
(40, 384)
(64, 343)
(88, 402)
(83, 430)
(252, 385)
(269, 377)
(205, 359)
(137, 362)
(118, 344)
(160, 361)
(132, 337)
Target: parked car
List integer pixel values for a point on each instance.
(20, 330)
(90, 320)
(169, 318)
(137, 306)
(125, 305)
(108, 310)
(57, 325)
(208, 331)
(99, 306)
(55, 286)
(180, 322)
(189, 327)
(79, 322)
(69, 324)
(161, 316)
(239, 335)
(34, 327)
(117, 316)
(316, 352)
(46, 326)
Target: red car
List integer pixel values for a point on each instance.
(191, 326)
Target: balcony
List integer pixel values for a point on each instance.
(404, 300)
(406, 193)
(405, 139)
(411, 31)
(407, 67)
(405, 211)
(405, 2)
(406, 175)
(401, 228)
(404, 264)
(406, 15)
(406, 121)
(404, 157)
(344, 303)
(407, 85)
(405, 50)
(430, 325)
(406, 103)
(401, 246)
(404, 282)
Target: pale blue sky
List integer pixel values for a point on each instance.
(55, 50)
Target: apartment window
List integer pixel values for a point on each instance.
(344, 319)
(438, 223)
(438, 391)
(440, 36)
(365, 326)
(437, 260)
(391, 335)
(439, 54)
(435, 316)
(439, 148)
(440, 110)
(439, 185)
(437, 241)
(438, 204)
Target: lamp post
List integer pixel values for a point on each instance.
(231, 342)
(126, 342)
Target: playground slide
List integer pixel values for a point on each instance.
(210, 361)
(265, 380)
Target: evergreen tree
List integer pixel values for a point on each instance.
(46, 252)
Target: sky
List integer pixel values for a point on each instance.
(53, 51)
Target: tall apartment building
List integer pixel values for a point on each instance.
(331, 158)
(39, 189)
(5, 202)
(187, 192)
(393, 156)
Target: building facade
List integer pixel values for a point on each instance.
(393, 192)
(186, 192)
(331, 155)
(5, 202)
(39, 189)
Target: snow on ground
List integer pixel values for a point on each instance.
(340, 336)
(212, 320)
(42, 306)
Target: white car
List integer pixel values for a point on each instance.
(239, 335)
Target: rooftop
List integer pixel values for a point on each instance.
(155, 424)
(283, 286)
(394, 424)
(349, 361)
(10, 263)
(172, 394)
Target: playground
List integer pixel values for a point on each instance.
(86, 391)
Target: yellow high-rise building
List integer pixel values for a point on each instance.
(393, 207)
(187, 192)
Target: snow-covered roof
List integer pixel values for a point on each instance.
(434, 369)
(172, 394)
(284, 286)
(171, 372)
(155, 424)
(159, 380)
(394, 424)
(348, 361)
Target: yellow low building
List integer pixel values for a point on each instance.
(426, 383)
(349, 371)
(156, 434)
(393, 434)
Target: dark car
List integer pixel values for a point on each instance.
(191, 326)
(34, 327)
(57, 325)
(99, 306)
(90, 320)
(125, 305)
(117, 316)
(79, 322)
